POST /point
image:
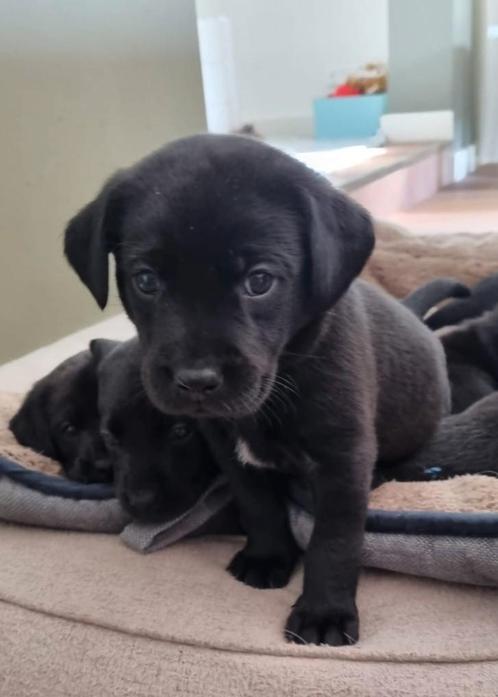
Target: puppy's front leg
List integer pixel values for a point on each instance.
(270, 553)
(326, 611)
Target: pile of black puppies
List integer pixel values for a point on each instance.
(258, 352)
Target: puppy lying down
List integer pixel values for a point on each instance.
(464, 443)
(238, 264)
(59, 419)
(162, 463)
(472, 356)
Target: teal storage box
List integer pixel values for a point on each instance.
(348, 117)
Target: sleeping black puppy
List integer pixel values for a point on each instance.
(236, 264)
(464, 443)
(471, 347)
(162, 463)
(59, 418)
(483, 297)
(472, 356)
(424, 298)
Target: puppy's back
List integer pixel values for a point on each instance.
(463, 443)
(412, 380)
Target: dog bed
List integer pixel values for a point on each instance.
(446, 530)
(83, 615)
(403, 260)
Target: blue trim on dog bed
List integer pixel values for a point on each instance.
(433, 523)
(53, 485)
(411, 522)
(380, 521)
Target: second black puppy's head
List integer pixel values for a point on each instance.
(225, 249)
(162, 463)
(59, 418)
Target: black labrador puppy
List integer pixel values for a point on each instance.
(59, 418)
(464, 443)
(472, 356)
(483, 297)
(162, 463)
(471, 347)
(426, 296)
(237, 264)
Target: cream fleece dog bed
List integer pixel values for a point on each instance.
(403, 260)
(83, 615)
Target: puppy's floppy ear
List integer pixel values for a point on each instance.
(341, 239)
(100, 348)
(90, 237)
(30, 425)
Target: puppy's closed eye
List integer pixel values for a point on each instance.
(68, 429)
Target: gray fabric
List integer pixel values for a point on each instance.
(20, 504)
(150, 538)
(456, 559)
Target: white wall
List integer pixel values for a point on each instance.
(87, 87)
(431, 60)
(487, 92)
(285, 50)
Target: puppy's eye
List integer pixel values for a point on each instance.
(258, 283)
(180, 432)
(146, 281)
(68, 429)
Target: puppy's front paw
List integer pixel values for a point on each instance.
(335, 623)
(271, 571)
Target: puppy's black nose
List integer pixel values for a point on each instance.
(201, 381)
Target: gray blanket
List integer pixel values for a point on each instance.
(453, 547)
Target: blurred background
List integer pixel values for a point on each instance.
(395, 101)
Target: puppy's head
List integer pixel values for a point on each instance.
(162, 463)
(59, 419)
(225, 248)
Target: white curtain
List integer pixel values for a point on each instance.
(218, 73)
(488, 81)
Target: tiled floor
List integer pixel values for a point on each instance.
(469, 206)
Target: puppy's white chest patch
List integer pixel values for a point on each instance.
(247, 457)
